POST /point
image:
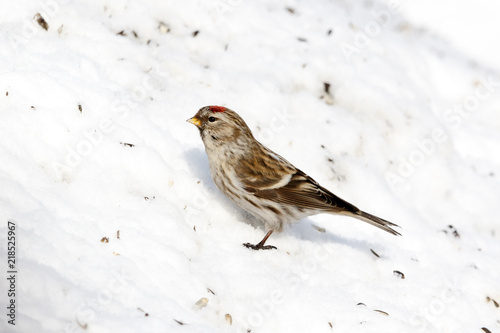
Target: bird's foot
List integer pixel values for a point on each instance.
(260, 246)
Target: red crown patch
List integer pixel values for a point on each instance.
(217, 108)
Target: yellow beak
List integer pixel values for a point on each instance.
(194, 121)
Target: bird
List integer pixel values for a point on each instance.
(263, 183)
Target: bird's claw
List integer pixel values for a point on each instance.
(259, 246)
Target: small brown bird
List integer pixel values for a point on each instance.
(262, 182)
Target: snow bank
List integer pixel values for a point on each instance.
(120, 228)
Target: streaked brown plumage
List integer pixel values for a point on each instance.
(262, 182)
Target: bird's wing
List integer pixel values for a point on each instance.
(264, 170)
(273, 178)
(300, 190)
(267, 175)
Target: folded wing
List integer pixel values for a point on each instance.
(305, 193)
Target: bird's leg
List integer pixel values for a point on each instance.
(261, 245)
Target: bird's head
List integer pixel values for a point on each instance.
(221, 126)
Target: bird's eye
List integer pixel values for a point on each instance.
(211, 119)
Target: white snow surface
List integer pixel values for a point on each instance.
(409, 131)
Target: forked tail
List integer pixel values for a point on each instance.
(376, 221)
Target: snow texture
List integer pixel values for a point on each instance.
(120, 228)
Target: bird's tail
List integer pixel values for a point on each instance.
(376, 221)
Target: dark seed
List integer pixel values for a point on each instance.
(127, 144)
(399, 274)
(382, 312)
(454, 231)
(488, 299)
(326, 87)
(41, 21)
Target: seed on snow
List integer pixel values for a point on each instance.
(399, 274)
(229, 319)
(375, 253)
(320, 229)
(202, 302)
(164, 28)
(41, 21)
(382, 312)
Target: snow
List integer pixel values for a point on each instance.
(469, 25)
(409, 131)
